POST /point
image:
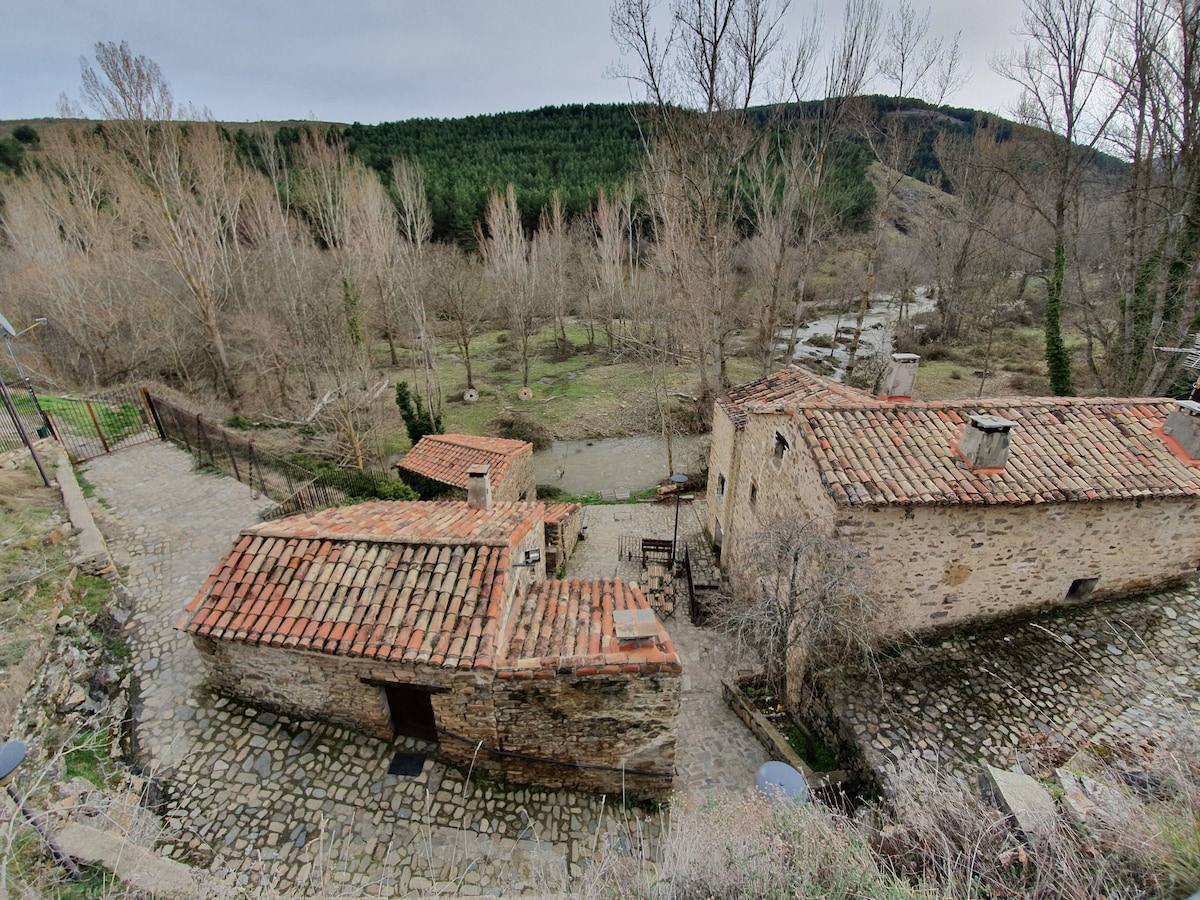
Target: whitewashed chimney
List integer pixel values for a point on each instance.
(479, 487)
(903, 377)
(1183, 424)
(985, 440)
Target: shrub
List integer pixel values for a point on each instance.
(27, 135)
(520, 427)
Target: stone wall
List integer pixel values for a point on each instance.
(520, 482)
(768, 488)
(944, 565)
(623, 720)
(346, 690)
(606, 719)
(722, 463)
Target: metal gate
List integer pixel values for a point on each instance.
(101, 423)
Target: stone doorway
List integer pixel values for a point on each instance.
(412, 711)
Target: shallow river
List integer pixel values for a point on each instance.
(617, 464)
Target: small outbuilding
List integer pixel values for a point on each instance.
(435, 620)
(447, 458)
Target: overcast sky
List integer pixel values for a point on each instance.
(383, 60)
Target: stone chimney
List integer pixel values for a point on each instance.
(1183, 424)
(903, 377)
(984, 443)
(479, 487)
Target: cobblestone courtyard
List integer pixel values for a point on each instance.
(310, 807)
(1123, 676)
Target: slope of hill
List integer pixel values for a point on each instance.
(575, 150)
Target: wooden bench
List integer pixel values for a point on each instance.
(655, 550)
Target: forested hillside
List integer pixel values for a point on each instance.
(575, 150)
(578, 149)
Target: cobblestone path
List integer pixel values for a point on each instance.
(716, 752)
(300, 805)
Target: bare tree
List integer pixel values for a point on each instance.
(700, 77)
(612, 266)
(1060, 70)
(807, 597)
(845, 74)
(186, 181)
(551, 255)
(913, 61)
(1156, 71)
(505, 252)
(456, 284)
(416, 229)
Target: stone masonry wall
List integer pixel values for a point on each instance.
(787, 487)
(944, 565)
(335, 689)
(721, 462)
(613, 720)
(519, 480)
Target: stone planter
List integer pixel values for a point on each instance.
(774, 741)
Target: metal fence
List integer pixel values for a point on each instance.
(85, 426)
(295, 488)
(10, 435)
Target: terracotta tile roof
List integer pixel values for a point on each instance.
(431, 521)
(446, 457)
(568, 625)
(414, 603)
(557, 513)
(1062, 449)
(788, 387)
(410, 582)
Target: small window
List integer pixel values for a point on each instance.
(1081, 589)
(523, 495)
(753, 493)
(781, 445)
(720, 485)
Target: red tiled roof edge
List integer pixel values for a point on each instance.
(660, 658)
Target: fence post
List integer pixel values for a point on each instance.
(232, 459)
(149, 401)
(182, 429)
(96, 424)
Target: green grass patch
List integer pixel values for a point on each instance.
(89, 758)
(91, 594)
(116, 420)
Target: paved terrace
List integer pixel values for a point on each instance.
(1123, 675)
(305, 806)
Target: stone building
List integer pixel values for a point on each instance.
(447, 457)
(435, 620)
(965, 510)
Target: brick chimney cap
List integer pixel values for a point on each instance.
(478, 470)
(906, 357)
